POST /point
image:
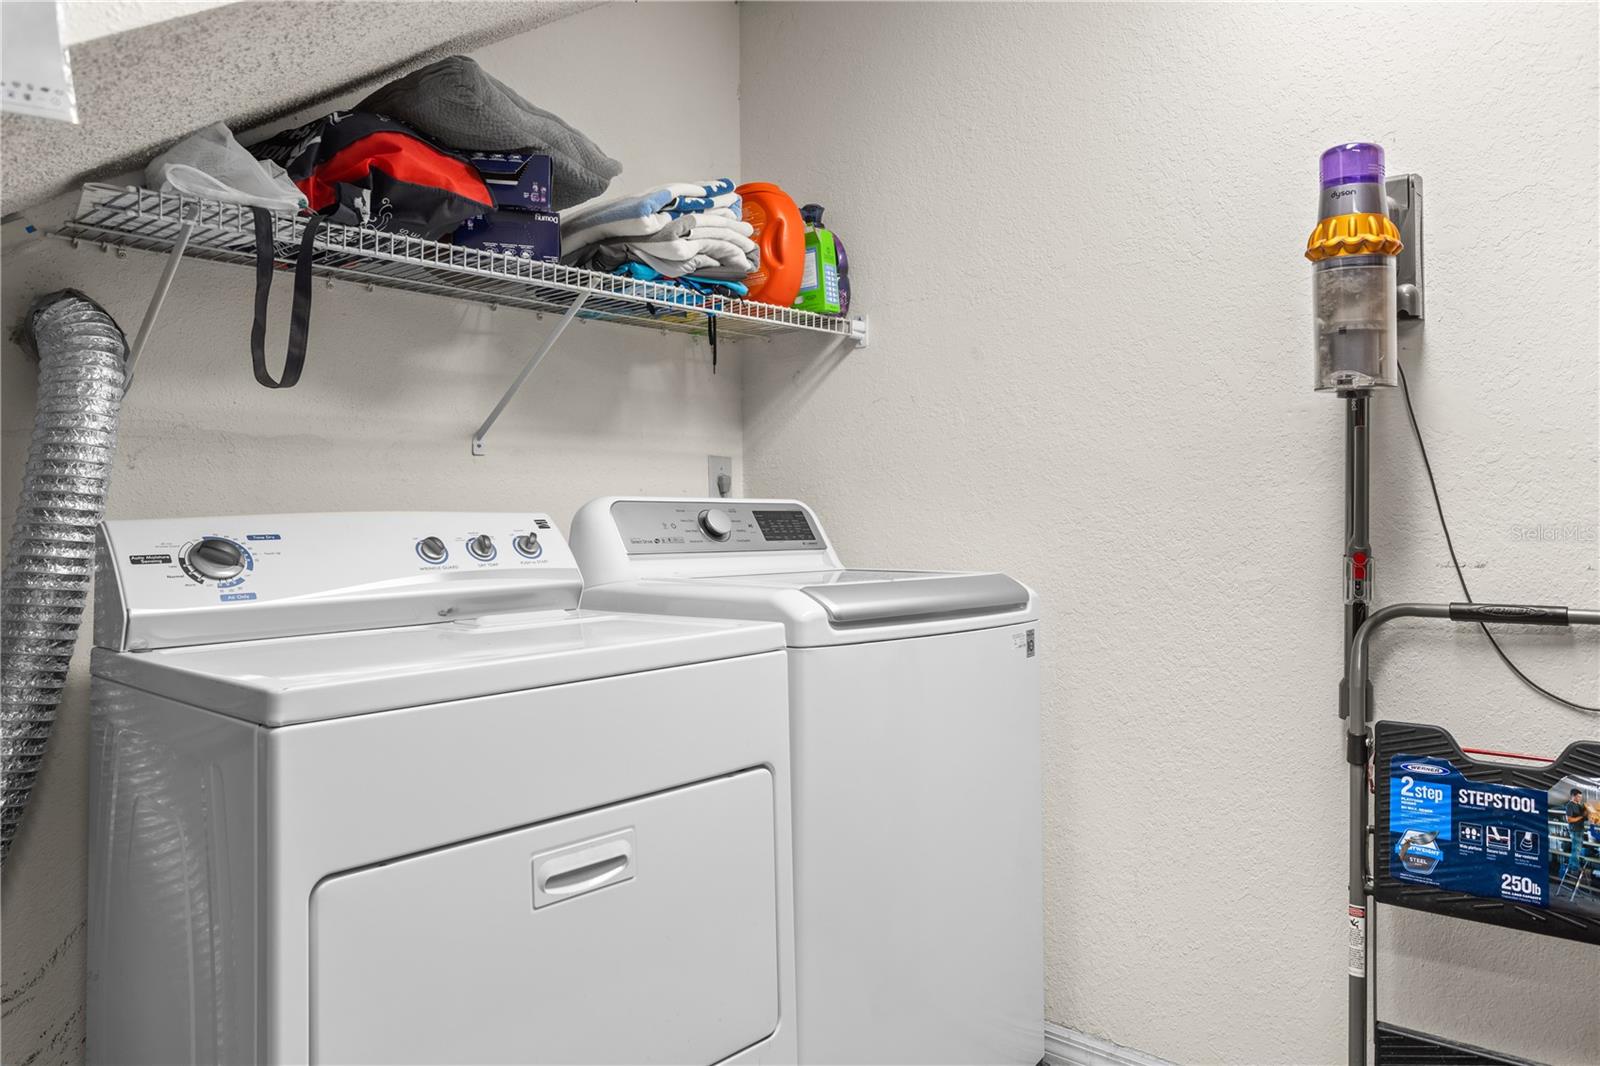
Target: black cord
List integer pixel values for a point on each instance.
(1411, 415)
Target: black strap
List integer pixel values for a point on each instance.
(300, 316)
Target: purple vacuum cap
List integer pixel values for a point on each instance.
(1345, 164)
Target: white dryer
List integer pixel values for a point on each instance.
(914, 718)
(368, 788)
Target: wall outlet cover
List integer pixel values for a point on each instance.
(719, 475)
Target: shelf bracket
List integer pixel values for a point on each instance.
(478, 445)
(852, 341)
(174, 257)
(858, 331)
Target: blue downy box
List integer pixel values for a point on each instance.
(529, 234)
(516, 179)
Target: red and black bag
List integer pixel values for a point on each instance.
(356, 169)
(367, 170)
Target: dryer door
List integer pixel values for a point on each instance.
(642, 932)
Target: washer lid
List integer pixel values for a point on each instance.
(286, 680)
(883, 597)
(891, 597)
(823, 607)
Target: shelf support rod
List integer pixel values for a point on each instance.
(478, 445)
(174, 257)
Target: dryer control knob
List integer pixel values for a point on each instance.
(527, 544)
(481, 546)
(432, 550)
(716, 524)
(216, 558)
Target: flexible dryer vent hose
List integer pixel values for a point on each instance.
(50, 557)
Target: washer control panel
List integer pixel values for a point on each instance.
(400, 568)
(665, 527)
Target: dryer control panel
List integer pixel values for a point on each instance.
(172, 582)
(662, 527)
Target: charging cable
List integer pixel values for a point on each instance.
(1411, 415)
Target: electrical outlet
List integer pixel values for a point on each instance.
(719, 475)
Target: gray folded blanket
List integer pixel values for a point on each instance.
(458, 104)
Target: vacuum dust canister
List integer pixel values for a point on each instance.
(1352, 253)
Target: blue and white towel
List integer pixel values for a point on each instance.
(678, 198)
(718, 223)
(676, 230)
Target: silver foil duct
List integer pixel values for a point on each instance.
(50, 557)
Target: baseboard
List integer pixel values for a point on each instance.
(1068, 1047)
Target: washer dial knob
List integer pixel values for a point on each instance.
(432, 550)
(715, 523)
(481, 547)
(216, 558)
(526, 544)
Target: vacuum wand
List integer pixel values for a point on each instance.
(1352, 251)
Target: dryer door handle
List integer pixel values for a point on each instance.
(576, 869)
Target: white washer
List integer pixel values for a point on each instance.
(369, 788)
(914, 734)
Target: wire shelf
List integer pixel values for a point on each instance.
(126, 217)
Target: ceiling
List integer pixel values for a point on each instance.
(244, 63)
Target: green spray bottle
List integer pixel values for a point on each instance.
(822, 279)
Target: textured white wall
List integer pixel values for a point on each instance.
(1078, 230)
(86, 20)
(394, 386)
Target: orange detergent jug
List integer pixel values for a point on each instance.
(781, 236)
